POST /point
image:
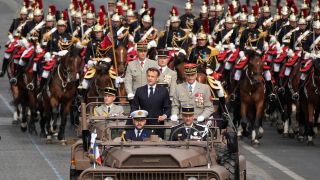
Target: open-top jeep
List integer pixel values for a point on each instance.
(214, 157)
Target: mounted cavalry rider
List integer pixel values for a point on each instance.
(174, 39)
(131, 21)
(187, 19)
(30, 32)
(265, 21)
(286, 31)
(202, 20)
(146, 32)
(59, 43)
(278, 24)
(14, 31)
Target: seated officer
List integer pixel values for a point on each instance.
(188, 129)
(139, 120)
(109, 109)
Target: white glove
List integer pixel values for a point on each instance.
(265, 46)
(307, 55)
(38, 49)
(79, 45)
(290, 53)
(47, 56)
(241, 54)
(273, 39)
(91, 63)
(183, 52)
(130, 96)
(200, 119)
(107, 60)
(62, 53)
(232, 47)
(174, 117)
(209, 71)
(131, 38)
(119, 80)
(209, 123)
(152, 44)
(24, 42)
(10, 36)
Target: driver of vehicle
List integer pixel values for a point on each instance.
(188, 129)
(139, 121)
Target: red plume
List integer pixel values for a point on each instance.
(175, 11)
(40, 4)
(133, 6)
(53, 9)
(119, 10)
(93, 9)
(206, 2)
(260, 3)
(295, 9)
(304, 13)
(245, 8)
(255, 10)
(81, 7)
(205, 24)
(128, 2)
(279, 9)
(103, 9)
(152, 11)
(101, 18)
(26, 3)
(65, 14)
(290, 3)
(146, 3)
(75, 4)
(88, 2)
(231, 9)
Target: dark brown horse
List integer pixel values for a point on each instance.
(100, 81)
(62, 90)
(252, 97)
(121, 58)
(309, 100)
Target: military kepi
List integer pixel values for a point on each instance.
(187, 109)
(139, 114)
(110, 91)
(190, 68)
(142, 46)
(163, 53)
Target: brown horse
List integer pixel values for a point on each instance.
(309, 100)
(61, 92)
(100, 81)
(121, 58)
(252, 97)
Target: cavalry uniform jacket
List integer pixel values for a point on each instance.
(94, 50)
(298, 39)
(15, 24)
(140, 32)
(103, 110)
(169, 77)
(133, 26)
(199, 98)
(59, 42)
(42, 34)
(199, 54)
(251, 39)
(276, 26)
(30, 25)
(312, 43)
(224, 36)
(177, 38)
(136, 76)
(284, 35)
(181, 132)
(186, 21)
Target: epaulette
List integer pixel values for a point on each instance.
(214, 51)
(162, 33)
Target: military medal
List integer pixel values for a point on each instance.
(199, 100)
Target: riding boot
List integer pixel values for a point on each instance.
(18, 72)
(270, 92)
(43, 82)
(296, 95)
(4, 67)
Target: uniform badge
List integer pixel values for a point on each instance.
(199, 100)
(167, 79)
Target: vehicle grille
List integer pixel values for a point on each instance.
(94, 175)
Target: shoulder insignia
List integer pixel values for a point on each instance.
(90, 73)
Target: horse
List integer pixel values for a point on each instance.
(62, 88)
(309, 100)
(121, 58)
(252, 97)
(100, 81)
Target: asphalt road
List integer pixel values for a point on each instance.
(24, 156)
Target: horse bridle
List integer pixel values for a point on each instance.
(65, 74)
(253, 75)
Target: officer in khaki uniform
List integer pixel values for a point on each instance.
(136, 71)
(194, 93)
(109, 109)
(167, 76)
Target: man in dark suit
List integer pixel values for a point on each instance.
(188, 129)
(138, 133)
(154, 99)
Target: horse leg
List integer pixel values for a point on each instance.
(65, 109)
(310, 123)
(258, 120)
(244, 120)
(52, 121)
(33, 116)
(24, 123)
